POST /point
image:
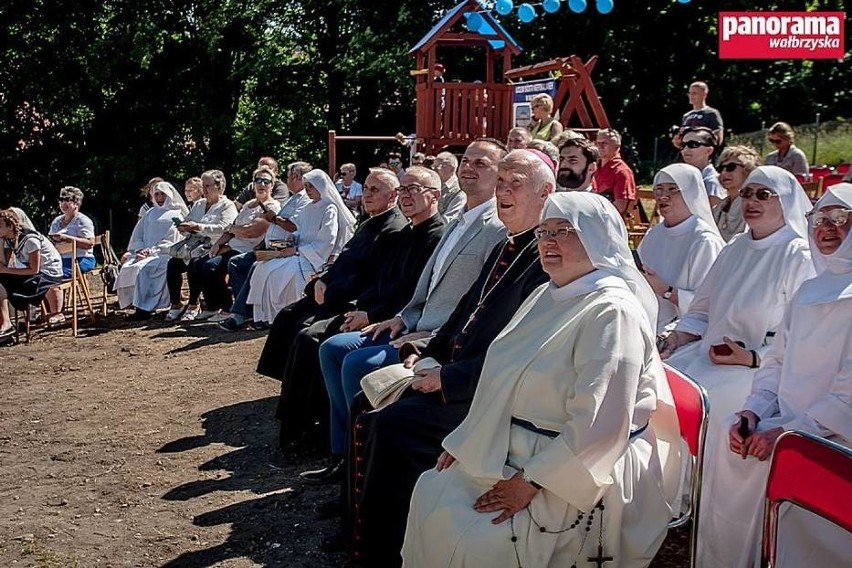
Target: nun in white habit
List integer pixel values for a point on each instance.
(558, 435)
(141, 280)
(324, 227)
(677, 253)
(804, 383)
(744, 295)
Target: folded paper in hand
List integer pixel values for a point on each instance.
(386, 385)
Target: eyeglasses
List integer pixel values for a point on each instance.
(729, 167)
(66, 199)
(559, 234)
(837, 217)
(666, 191)
(693, 144)
(263, 181)
(761, 194)
(775, 141)
(413, 188)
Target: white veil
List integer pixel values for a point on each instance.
(604, 236)
(794, 201)
(328, 193)
(174, 200)
(688, 179)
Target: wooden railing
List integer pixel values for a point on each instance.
(456, 113)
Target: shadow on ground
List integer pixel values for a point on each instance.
(277, 528)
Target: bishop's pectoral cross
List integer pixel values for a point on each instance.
(600, 558)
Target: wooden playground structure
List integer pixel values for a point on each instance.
(449, 115)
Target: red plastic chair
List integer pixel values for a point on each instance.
(842, 169)
(809, 472)
(830, 180)
(818, 172)
(693, 410)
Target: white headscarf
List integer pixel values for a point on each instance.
(841, 261)
(688, 179)
(328, 193)
(794, 201)
(174, 200)
(604, 236)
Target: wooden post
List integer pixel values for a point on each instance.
(332, 153)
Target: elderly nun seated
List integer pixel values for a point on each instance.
(804, 383)
(560, 459)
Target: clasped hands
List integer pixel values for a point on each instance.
(508, 496)
(757, 444)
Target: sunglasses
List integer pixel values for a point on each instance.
(693, 144)
(67, 200)
(775, 141)
(263, 181)
(837, 217)
(761, 194)
(413, 188)
(729, 167)
(559, 234)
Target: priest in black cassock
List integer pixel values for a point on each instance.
(394, 265)
(393, 446)
(334, 292)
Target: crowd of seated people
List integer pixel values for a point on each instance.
(487, 350)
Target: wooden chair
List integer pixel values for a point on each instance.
(78, 286)
(809, 472)
(812, 188)
(693, 410)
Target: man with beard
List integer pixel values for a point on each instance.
(578, 162)
(393, 446)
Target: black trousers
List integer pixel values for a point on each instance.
(174, 279)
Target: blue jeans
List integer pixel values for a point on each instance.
(240, 268)
(86, 264)
(344, 359)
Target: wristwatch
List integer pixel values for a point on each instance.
(529, 480)
(668, 293)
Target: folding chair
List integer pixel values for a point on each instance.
(809, 472)
(693, 410)
(831, 179)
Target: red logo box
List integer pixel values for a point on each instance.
(781, 35)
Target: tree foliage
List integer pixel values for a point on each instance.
(107, 94)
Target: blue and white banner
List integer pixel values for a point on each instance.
(524, 92)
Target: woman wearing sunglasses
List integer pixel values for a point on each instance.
(697, 148)
(73, 226)
(786, 155)
(735, 165)
(677, 253)
(803, 384)
(736, 311)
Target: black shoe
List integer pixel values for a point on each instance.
(330, 509)
(336, 543)
(331, 474)
(140, 315)
(259, 325)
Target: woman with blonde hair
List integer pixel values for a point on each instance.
(735, 165)
(786, 155)
(543, 126)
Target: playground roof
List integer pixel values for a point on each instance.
(491, 32)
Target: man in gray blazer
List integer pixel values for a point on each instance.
(449, 273)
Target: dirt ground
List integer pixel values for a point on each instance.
(154, 445)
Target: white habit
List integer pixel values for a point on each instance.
(683, 254)
(578, 361)
(279, 282)
(804, 383)
(142, 283)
